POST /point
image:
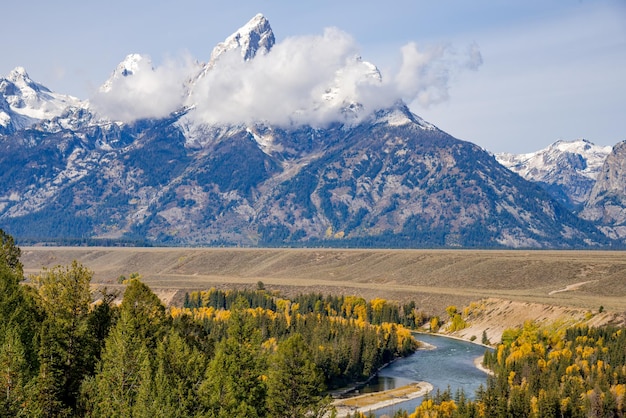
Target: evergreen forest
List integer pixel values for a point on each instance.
(224, 354)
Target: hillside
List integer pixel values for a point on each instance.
(607, 203)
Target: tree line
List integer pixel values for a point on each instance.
(376, 311)
(62, 355)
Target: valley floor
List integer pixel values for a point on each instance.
(434, 279)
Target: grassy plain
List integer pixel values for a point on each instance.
(434, 279)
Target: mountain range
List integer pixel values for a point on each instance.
(364, 177)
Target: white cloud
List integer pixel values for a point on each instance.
(303, 80)
(425, 74)
(147, 92)
(286, 86)
(311, 80)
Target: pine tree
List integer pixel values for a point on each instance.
(121, 371)
(234, 384)
(66, 297)
(295, 384)
(47, 392)
(10, 255)
(19, 311)
(140, 302)
(13, 374)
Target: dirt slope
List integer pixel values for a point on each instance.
(493, 316)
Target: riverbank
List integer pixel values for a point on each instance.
(478, 362)
(377, 400)
(497, 315)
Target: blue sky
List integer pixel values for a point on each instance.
(550, 69)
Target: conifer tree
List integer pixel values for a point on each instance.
(13, 374)
(19, 311)
(122, 370)
(295, 384)
(10, 254)
(66, 297)
(234, 384)
(145, 306)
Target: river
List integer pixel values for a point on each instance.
(451, 364)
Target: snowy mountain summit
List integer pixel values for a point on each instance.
(607, 202)
(23, 102)
(255, 37)
(567, 169)
(132, 64)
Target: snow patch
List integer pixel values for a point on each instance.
(397, 119)
(266, 142)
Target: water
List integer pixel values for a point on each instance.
(451, 364)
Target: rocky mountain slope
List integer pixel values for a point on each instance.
(607, 203)
(566, 169)
(368, 178)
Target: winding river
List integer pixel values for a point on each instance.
(450, 364)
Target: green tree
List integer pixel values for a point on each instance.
(19, 331)
(48, 391)
(171, 388)
(234, 384)
(123, 368)
(150, 402)
(19, 311)
(13, 374)
(10, 254)
(66, 297)
(295, 384)
(145, 306)
(101, 318)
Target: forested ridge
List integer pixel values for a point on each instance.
(225, 354)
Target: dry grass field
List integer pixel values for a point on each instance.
(434, 279)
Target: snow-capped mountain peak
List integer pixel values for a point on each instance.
(580, 155)
(255, 37)
(569, 166)
(132, 64)
(20, 77)
(25, 102)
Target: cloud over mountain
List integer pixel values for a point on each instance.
(138, 90)
(311, 80)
